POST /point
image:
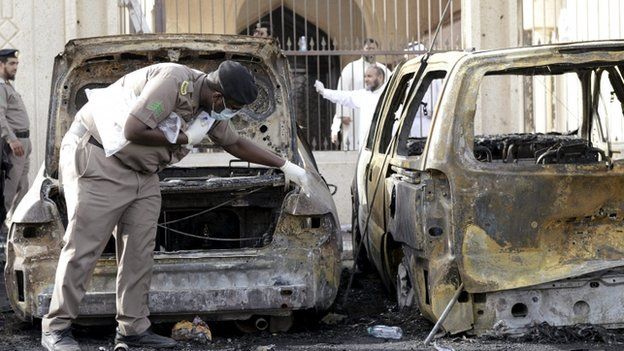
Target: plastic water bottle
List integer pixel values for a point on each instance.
(385, 332)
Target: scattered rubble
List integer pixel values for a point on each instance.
(333, 318)
(546, 333)
(442, 347)
(196, 331)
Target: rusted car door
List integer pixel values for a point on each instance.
(380, 160)
(416, 253)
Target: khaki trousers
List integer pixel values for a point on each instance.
(16, 186)
(101, 194)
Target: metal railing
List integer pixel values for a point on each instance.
(319, 38)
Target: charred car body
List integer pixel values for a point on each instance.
(528, 214)
(232, 241)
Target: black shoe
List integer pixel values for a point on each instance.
(61, 340)
(147, 338)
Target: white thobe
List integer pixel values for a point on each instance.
(352, 78)
(365, 101)
(424, 113)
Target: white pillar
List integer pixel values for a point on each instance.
(40, 29)
(494, 24)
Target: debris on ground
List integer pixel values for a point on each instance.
(546, 333)
(266, 348)
(333, 318)
(442, 347)
(197, 331)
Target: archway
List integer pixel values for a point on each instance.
(324, 31)
(313, 113)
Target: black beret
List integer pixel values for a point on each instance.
(9, 53)
(237, 82)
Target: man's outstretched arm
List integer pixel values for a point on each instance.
(248, 151)
(347, 98)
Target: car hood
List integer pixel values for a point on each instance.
(97, 62)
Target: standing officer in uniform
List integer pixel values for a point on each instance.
(123, 190)
(14, 128)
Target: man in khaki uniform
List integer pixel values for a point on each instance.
(123, 190)
(14, 126)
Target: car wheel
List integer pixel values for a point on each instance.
(404, 286)
(392, 256)
(362, 262)
(5, 306)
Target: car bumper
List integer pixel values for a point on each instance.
(288, 274)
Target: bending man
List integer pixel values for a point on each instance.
(123, 190)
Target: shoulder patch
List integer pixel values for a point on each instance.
(184, 87)
(156, 107)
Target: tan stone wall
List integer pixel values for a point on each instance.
(40, 29)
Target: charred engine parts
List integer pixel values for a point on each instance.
(570, 152)
(538, 148)
(416, 146)
(248, 220)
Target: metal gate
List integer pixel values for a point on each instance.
(319, 38)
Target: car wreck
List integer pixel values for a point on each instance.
(234, 242)
(526, 213)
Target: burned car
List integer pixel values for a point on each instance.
(233, 243)
(513, 204)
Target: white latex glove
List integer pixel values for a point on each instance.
(198, 129)
(320, 88)
(298, 175)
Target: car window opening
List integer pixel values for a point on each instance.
(582, 121)
(420, 110)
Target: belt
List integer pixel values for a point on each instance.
(94, 141)
(23, 133)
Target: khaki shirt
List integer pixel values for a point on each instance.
(163, 88)
(13, 116)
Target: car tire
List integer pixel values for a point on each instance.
(391, 257)
(362, 263)
(405, 291)
(5, 306)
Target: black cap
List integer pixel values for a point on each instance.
(237, 82)
(9, 53)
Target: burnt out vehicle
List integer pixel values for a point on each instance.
(233, 243)
(520, 198)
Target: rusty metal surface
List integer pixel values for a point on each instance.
(298, 270)
(508, 230)
(592, 299)
(512, 220)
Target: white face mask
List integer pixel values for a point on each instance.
(224, 115)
